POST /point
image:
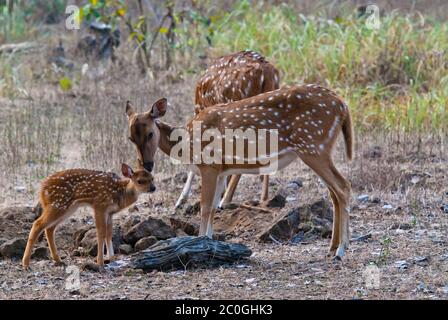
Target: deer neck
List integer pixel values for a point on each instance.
(128, 193)
(165, 131)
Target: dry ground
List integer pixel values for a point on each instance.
(408, 243)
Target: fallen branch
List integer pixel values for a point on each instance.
(183, 252)
(14, 47)
(246, 206)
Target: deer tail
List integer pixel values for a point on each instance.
(347, 130)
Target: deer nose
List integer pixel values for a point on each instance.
(152, 188)
(148, 165)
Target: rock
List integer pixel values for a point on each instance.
(284, 228)
(40, 253)
(424, 288)
(90, 266)
(401, 226)
(180, 233)
(445, 290)
(376, 200)
(444, 207)
(373, 153)
(229, 206)
(387, 207)
(193, 209)
(189, 228)
(79, 235)
(362, 238)
(24, 213)
(149, 227)
(250, 280)
(19, 188)
(13, 248)
(254, 203)
(295, 185)
(278, 201)
(363, 198)
(301, 223)
(89, 242)
(290, 198)
(421, 261)
(401, 264)
(129, 223)
(145, 243)
(125, 249)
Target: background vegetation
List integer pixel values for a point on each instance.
(394, 78)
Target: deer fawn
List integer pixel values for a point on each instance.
(308, 119)
(64, 192)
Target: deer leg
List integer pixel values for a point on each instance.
(228, 195)
(49, 234)
(101, 226)
(209, 179)
(337, 186)
(265, 190)
(344, 202)
(186, 190)
(335, 231)
(109, 235)
(37, 228)
(220, 186)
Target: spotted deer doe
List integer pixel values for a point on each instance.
(64, 192)
(231, 78)
(308, 119)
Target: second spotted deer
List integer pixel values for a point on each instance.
(230, 78)
(64, 192)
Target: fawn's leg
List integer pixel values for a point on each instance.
(101, 227)
(209, 179)
(228, 195)
(49, 233)
(109, 235)
(36, 230)
(48, 217)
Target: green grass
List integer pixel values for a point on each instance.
(394, 77)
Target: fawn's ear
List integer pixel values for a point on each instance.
(129, 109)
(126, 170)
(158, 108)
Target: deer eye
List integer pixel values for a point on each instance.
(150, 135)
(139, 181)
(130, 139)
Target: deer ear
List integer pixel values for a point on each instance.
(158, 108)
(129, 109)
(126, 170)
